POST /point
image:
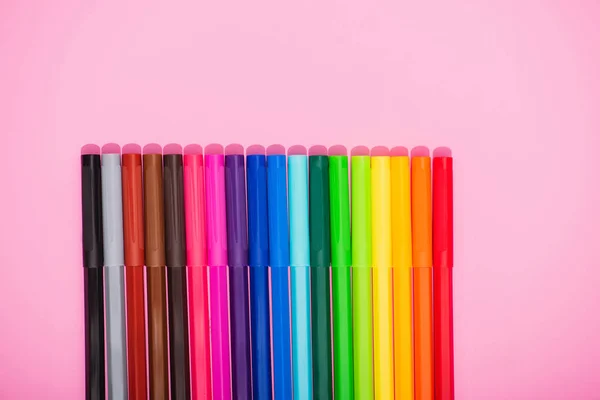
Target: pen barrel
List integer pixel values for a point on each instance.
(240, 333)
(136, 332)
(261, 334)
(157, 333)
(302, 364)
(116, 340)
(91, 211)
(178, 333)
(383, 347)
(282, 373)
(94, 333)
(199, 332)
(175, 251)
(362, 323)
(343, 363)
(403, 336)
(321, 333)
(443, 334)
(219, 333)
(423, 330)
(133, 211)
(154, 210)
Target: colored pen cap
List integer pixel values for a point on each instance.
(133, 211)
(443, 246)
(401, 210)
(361, 211)
(258, 220)
(195, 212)
(381, 211)
(235, 194)
(318, 203)
(154, 210)
(277, 203)
(91, 211)
(112, 210)
(341, 249)
(216, 224)
(174, 211)
(298, 204)
(421, 211)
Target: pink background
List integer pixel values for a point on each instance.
(511, 87)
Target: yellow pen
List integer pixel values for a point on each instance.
(402, 278)
(382, 283)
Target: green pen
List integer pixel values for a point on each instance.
(361, 278)
(320, 261)
(341, 260)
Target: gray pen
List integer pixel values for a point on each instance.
(112, 215)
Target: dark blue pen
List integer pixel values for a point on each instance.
(237, 254)
(258, 234)
(279, 251)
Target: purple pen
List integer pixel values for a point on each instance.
(237, 253)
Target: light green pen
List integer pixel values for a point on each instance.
(361, 278)
(341, 260)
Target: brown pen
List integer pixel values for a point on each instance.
(156, 282)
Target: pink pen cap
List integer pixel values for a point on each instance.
(195, 215)
(215, 209)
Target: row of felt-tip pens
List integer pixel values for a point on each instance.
(193, 234)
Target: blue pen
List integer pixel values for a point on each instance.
(300, 276)
(279, 251)
(258, 236)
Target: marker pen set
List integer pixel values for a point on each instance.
(232, 276)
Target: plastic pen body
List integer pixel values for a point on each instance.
(300, 277)
(195, 214)
(402, 278)
(156, 279)
(341, 260)
(422, 262)
(361, 278)
(93, 263)
(175, 255)
(443, 262)
(237, 254)
(216, 229)
(112, 213)
(320, 261)
(383, 350)
(258, 256)
(279, 257)
(133, 232)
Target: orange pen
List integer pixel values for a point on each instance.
(422, 262)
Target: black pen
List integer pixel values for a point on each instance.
(93, 262)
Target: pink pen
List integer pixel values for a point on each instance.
(195, 223)
(217, 261)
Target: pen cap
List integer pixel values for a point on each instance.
(279, 238)
(401, 219)
(341, 251)
(91, 211)
(421, 211)
(216, 225)
(298, 201)
(361, 211)
(154, 210)
(320, 240)
(112, 210)
(133, 211)
(381, 211)
(174, 211)
(258, 221)
(235, 194)
(195, 212)
(443, 253)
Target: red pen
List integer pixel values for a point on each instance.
(195, 216)
(442, 279)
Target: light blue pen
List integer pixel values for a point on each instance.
(300, 276)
